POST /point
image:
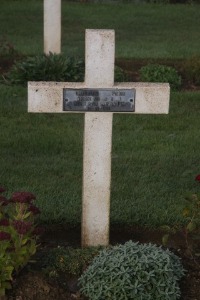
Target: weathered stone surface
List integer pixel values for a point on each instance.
(96, 178)
(99, 58)
(52, 26)
(151, 98)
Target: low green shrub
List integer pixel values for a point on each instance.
(68, 261)
(52, 67)
(133, 271)
(160, 73)
(192, 70)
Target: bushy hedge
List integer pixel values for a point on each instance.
(133, 271)
(161, 73)
(52, 67)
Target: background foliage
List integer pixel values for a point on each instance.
(161, 73)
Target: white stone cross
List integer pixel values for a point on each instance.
(52, 26)
(49, 97)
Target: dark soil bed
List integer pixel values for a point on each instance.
(32, 284)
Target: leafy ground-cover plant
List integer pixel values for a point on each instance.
(160, 73)
(51, 67)
(65, 265)
(191, 213)
(69, 261)
(18, 234)
(133, 271)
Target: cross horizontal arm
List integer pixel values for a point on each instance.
(47, 97)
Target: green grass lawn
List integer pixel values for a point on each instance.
(142, 31)
(155, 159)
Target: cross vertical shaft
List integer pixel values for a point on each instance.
(52, 26)
(97, 141)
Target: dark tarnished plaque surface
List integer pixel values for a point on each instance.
(113, 100)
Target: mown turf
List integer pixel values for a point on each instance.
(154, 159)
(142, 31)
